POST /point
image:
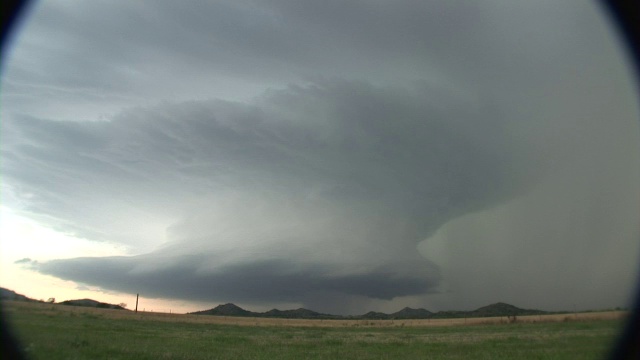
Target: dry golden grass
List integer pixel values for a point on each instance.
(52, 309)
(48, 331)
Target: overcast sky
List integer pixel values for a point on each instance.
(343, 156)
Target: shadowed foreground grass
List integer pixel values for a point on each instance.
(59, 332)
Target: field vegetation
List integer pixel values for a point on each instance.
(51, 331)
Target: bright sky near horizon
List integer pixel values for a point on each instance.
(341, 156)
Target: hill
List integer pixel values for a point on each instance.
(406, 313)
(409, 313)
(91, 303)
(374, 315)
(300, 313)
(226, 310)
(6, 294)
(234, 310)
(497, 309)
(229, 309)
(502, 309)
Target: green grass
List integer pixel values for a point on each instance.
(58, 332)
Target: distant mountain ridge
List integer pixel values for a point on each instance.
(229, 309)
(497, 309)
(234, 310)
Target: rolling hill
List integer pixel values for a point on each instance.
(91, 303)
(497, 309)
(229, 309)
(6, 294)
(234, 310)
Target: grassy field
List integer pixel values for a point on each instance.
(62, 332)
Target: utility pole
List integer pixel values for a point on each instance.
(137, 295)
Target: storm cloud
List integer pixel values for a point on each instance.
(342, 179)
(329, 154)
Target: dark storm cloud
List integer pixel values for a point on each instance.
(386, 148)
(251, 283)
(279, 151)
(337, 175)
(88, 60)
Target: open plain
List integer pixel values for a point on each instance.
(49, 331)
